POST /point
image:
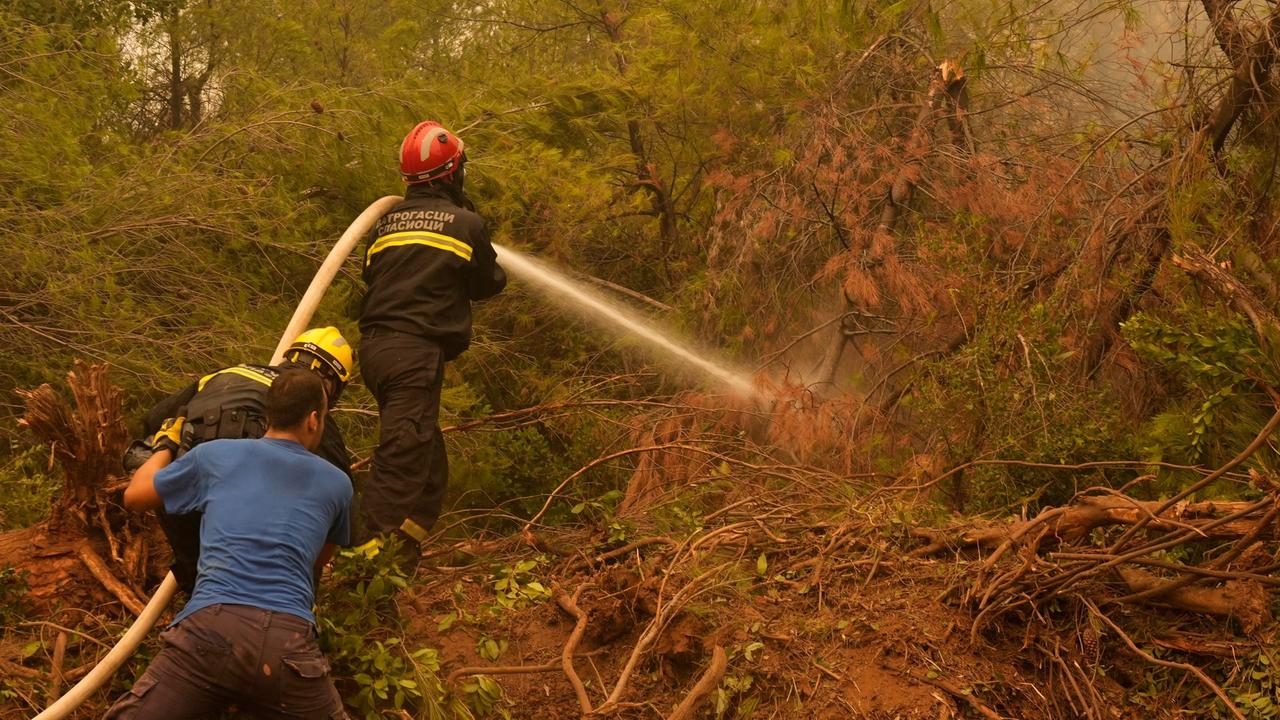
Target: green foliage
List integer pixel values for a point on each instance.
(13, 588)
(603, 512)
(1251, 681)
(735, 698)
(515, 586)
(514, 464)
(1219, 363)
(1015, 397)
(1256, 691)
(358, 632)
(26, 488)
(485, 696)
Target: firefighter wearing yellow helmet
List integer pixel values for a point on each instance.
(231, 403)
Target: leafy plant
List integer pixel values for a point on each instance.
(1218, 360)
(1257, 690)
(489, 648)
(603, 510)
(26, 489)
(514, 586)
(486, 697)
(13, 588)
(358, 634)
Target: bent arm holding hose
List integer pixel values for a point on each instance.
(141, 494)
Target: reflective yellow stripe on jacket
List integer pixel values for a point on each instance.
(240, 370)
(420, 237)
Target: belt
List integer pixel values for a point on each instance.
(266, 618)
(376, 331)
(385, 332)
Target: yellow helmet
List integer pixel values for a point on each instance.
(323, 349)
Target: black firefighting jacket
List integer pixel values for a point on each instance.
(425, 261)
(231, 403)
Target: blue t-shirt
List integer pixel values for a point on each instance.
(269, 507)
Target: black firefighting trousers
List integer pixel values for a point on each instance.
(410, 469)
(183, 533)
(267, 664)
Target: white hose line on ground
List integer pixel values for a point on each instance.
(119, 654)
(329, 269)
(128, 644)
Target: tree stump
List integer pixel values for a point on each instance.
(87, 524)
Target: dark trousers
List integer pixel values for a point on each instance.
(410, 469)
(267, 664)
(183, 533)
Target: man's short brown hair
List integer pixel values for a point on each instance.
(294, 395)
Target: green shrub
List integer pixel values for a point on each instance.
(360, 634)
(26, 488)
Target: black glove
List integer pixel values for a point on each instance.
(139, 452)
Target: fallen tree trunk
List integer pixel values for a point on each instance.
(49, 567)
(1245, 601)
(1071, 524)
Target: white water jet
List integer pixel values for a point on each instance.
(605, 311)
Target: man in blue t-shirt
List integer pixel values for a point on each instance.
(273, 515)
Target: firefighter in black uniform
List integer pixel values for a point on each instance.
(426, 261)
(231, 403)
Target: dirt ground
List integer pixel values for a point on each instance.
(884, 647)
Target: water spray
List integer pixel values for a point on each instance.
(574, 294)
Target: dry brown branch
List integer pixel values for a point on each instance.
(54, 690)
(501, 670)
(570, 605)
(1153, 562)
(1258, 442)
(1203, 646)
(1095, 465)
(635, 545)
(12, 669)
(604, 557)
(1262, 527)
(100, 571)
(553, 666)
(504, 419)
(708, 682)
(663, 613)
(1213, 275)
(1063, 525)
(1225, 29)
(580, 471)
(1252, 71)
(1058, 584)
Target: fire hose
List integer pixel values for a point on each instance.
(129, 642)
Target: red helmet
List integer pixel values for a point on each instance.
(429, 152)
